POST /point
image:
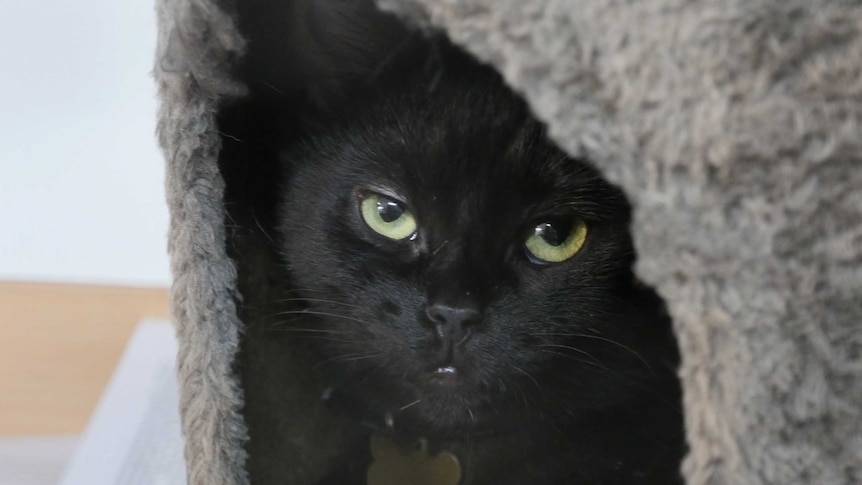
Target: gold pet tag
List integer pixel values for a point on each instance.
(398, 465)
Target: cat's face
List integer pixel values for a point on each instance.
(456, 266)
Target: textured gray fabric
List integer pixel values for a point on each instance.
(196, 45)
(736, 129)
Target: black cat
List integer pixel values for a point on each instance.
(469, 284)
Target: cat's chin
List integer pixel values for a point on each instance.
(448, 404)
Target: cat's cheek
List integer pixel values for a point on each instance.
(386, 310)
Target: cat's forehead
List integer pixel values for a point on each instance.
(468, 146)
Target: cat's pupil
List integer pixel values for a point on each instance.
(552, 234)
(389, 210)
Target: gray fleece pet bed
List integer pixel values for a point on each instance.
(735, 127)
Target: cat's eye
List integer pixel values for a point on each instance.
(388, 217)
(555, 242)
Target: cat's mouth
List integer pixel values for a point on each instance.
(445, 375)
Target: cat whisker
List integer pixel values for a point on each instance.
(603, 339)
(322, 338)
(440, 248)
(313, 330)
(360, 357)
(260, 226)
(345, 358)
(626, 378)
(522, 371)
(501, 385)
(557, 334)
(524, 399)
(580, 361)
(271, 87)
(575, 349)
(304, 290)
(286, 321)
(406, 406)
(615, 374)
(308, 311)
(316, 300)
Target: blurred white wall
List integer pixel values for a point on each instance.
(81, 188)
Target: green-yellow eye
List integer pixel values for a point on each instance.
(555, 242)
(387, 216)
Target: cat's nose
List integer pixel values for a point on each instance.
(452, 321)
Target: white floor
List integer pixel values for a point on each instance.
(34, 460)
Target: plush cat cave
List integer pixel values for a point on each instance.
(734, 128)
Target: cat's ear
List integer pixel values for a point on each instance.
(341, 46)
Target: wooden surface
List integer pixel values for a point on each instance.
(59, 345)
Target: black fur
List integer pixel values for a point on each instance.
(567, 374)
